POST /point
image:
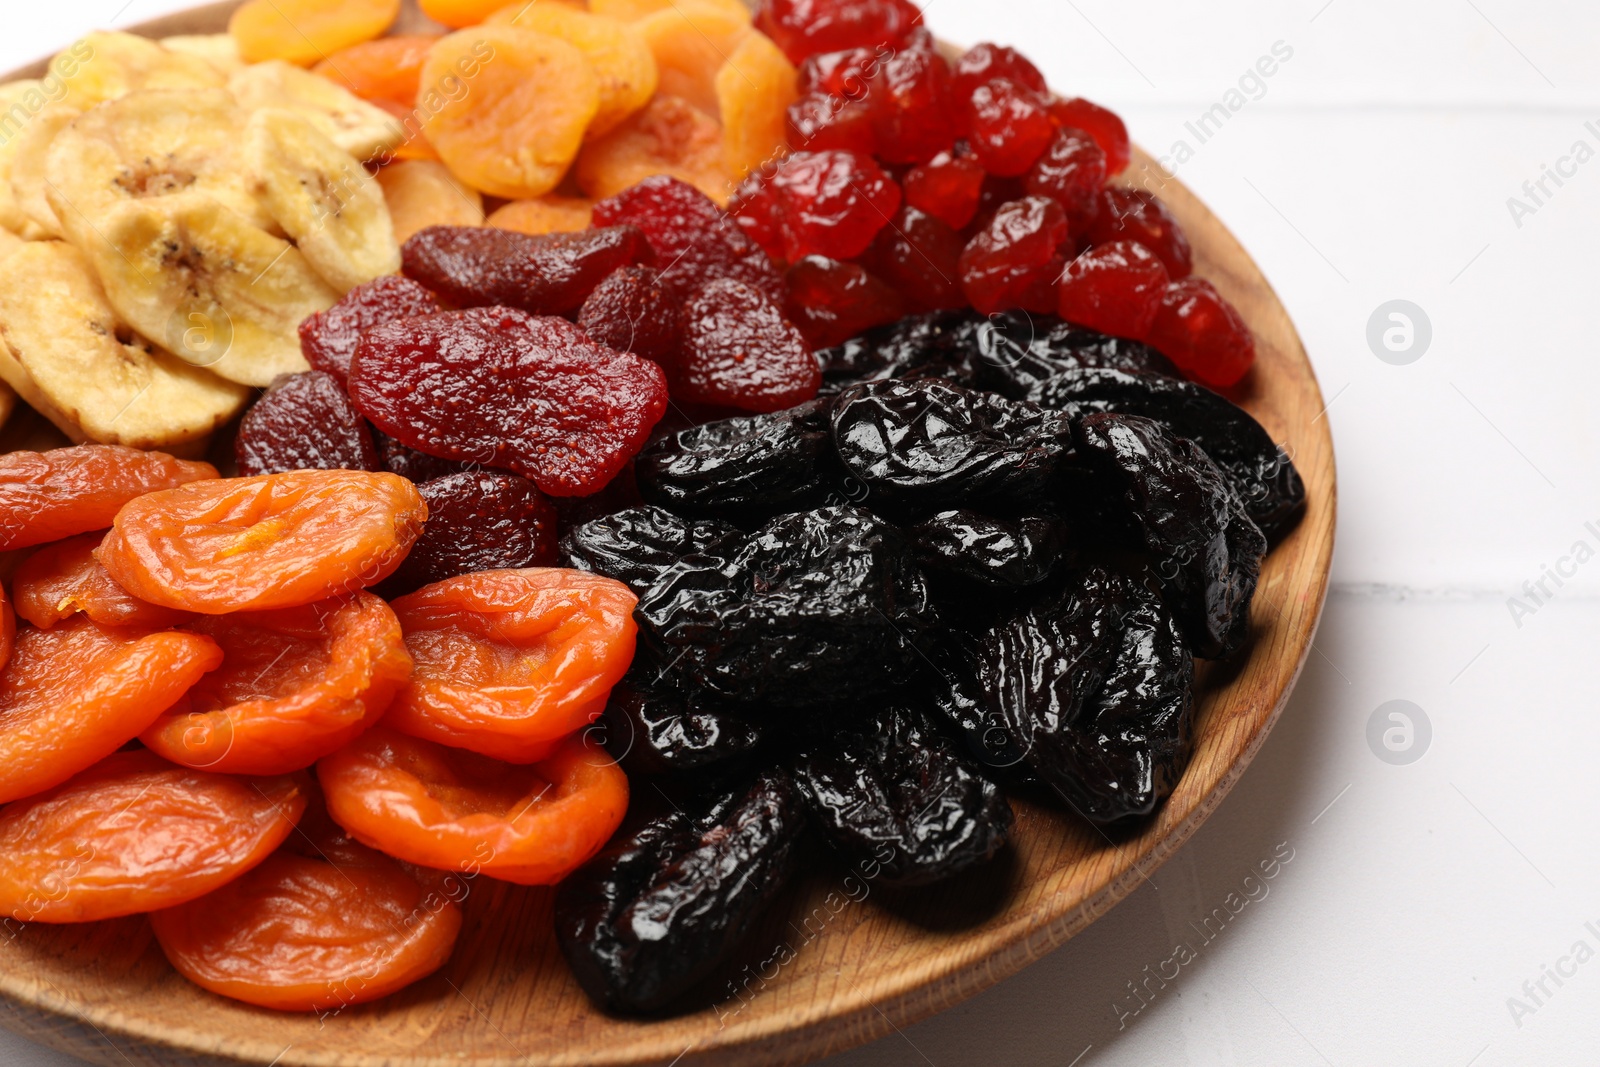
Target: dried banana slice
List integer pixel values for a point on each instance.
(103, 66)
(29, 185)
(362, 129)
(218, 49)
(152, 142)
(215, 290)
(90, 375)
(323, 198)
(16, 111)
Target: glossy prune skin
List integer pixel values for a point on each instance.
(1261, 472)
(892, 793)
(637, 546)
(936, 345)
(759, 465)
(1187, 515)
(662, 907)
(1017, 351)
(478, 521)
(304, 422)
(929, 443)
(547, 274)
(655, 727)
(816, 609)
(988, 552)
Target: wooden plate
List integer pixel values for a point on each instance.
(844, 967)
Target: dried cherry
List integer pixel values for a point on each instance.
(982, 63)
(64, 579)
(921, 257)
(830, 203)
(329, 338)
(1116, 289)
(1104, 126)
(740, 352)
(1202, 333)
(912, 105)
(479, 521)
(804, 28)
(818, 122)
(831, 302)
(1138, 216)
(305, 422)
(1016, 260)
(1072, 171)
(45, 496)
(949, 186)
(548, 274)
(1008, 125)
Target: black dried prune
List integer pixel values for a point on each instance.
(1209, 552)
(937, 345)
(662, 907)
(1016, 351)
(817, 608)
(655, 727)
(997, 553)
(637, 546)
(304, 422)
(478, 521)
(930, 443)
(892, 794)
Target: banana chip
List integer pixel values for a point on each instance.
(218, 49)
(215, 290)
(323, 198)
(16, 112)
(93, 377)
(361, 129)
(29, 185)
(103, 66)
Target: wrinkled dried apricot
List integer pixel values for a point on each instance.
(510, 661)
(516, 131)
(462, 12)
(64, 579)
(691, 40)
(8, 629)
(134, 833)
(304, 31)
(294, 685)
(385, 71)
(74, 694)
(422, 193)
(547, 214)
(621, 57)
(634, 10)
(45, 496)
(302, 933)
(755, 87)
(274, 541)
(450, 809)
(670, 136)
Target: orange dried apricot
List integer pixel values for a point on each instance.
(64, 579)
(518, 128)
(457, 13)
(73, 695)
(45, 496)
(508, 662)
(8, 629)
(454, 810)
(670, 136)
(385, 71)
(691, 40)
(634, 10)
(302, 933)
(134, 833)
(548, 214)
(621, 58)
(272, 541)
(304, 31)
(754, 90)
(294, 685)
(422, 193)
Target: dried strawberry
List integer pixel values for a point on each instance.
(1009, 126)
(329, 338)
(548, 274)
(1203, 334)
(632, 311)
(1115, 288)
(478, 521)
(1016, 260)
(948, 187)
(304, 422)
(414, 466)
(1071, 172)
(921, 257)
(804, 28)
(1104, 126)
(817, 122)
(506, 389)
(832, 302)
(825, 204)
(911, 106)
(1135, 215)
(740, 352)
(694, 240)
(985, 62)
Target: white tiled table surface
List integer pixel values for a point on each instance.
(1375, 164)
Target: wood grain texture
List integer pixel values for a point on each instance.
(845, 962)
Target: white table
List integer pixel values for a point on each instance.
(1375, 165)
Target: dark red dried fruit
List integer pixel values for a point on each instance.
(304, 422)
(694, 240)
(503, 388)
(1115, 289)
(632, 311)
(1136, 215)
(1071, 172)
(921, 257)
(408, 463)
(1009, 126)
(329, 338)
(985, 62)
(911, 106)
(740, 352)
(817, 122)
(832, 302)
(1203, 334)
(804, 28)
(1107, 129)
(824, 203)
(548, 274)
(1015, 261)
(948, 187)
(478, 521)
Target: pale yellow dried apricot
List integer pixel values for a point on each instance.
(304, 31)
(754, 90)
(670, 136)
(548, 214)
(691, 40)
(620, 55)
(423, 193)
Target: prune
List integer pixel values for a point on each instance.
(632, 311)
(1018, 353)
(891, 793)
(1188, 516)
(761, 464)
(329, 338)
(804, 28)
(740, 352)
(660, 908)
(832, 302)
(304, 422)
(479, 521)
(694, 240)
(415, 466)
(551, 274)
(938, 345)
(930, 443)
(1262, 473)
(1008, 125)
(989, 552)
(1017, 258)
(1115, 288)
(911, 104)
(816, 609)
(636, 547)
(830, 203)
(654, 728)
(921, 257)
(1104, 126)
(503, 388)
(1137, 215)
(1202, 333)
(949, 187)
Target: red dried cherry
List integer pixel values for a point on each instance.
(911, 106)
(1136, 215)
(818, 122)
(1015, 261)
(547, 274)
(329, 338)
(803, 28)
(921, 257)
(948, 187)
(832, 302)
(825, 204)
(985, 62)
(305, 422)
(1104, 126)
(1115, 288)
(1009, 126)
(740, 352)
(847, 74)
(1201, 332)
(633, 311)
(1071, 172)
